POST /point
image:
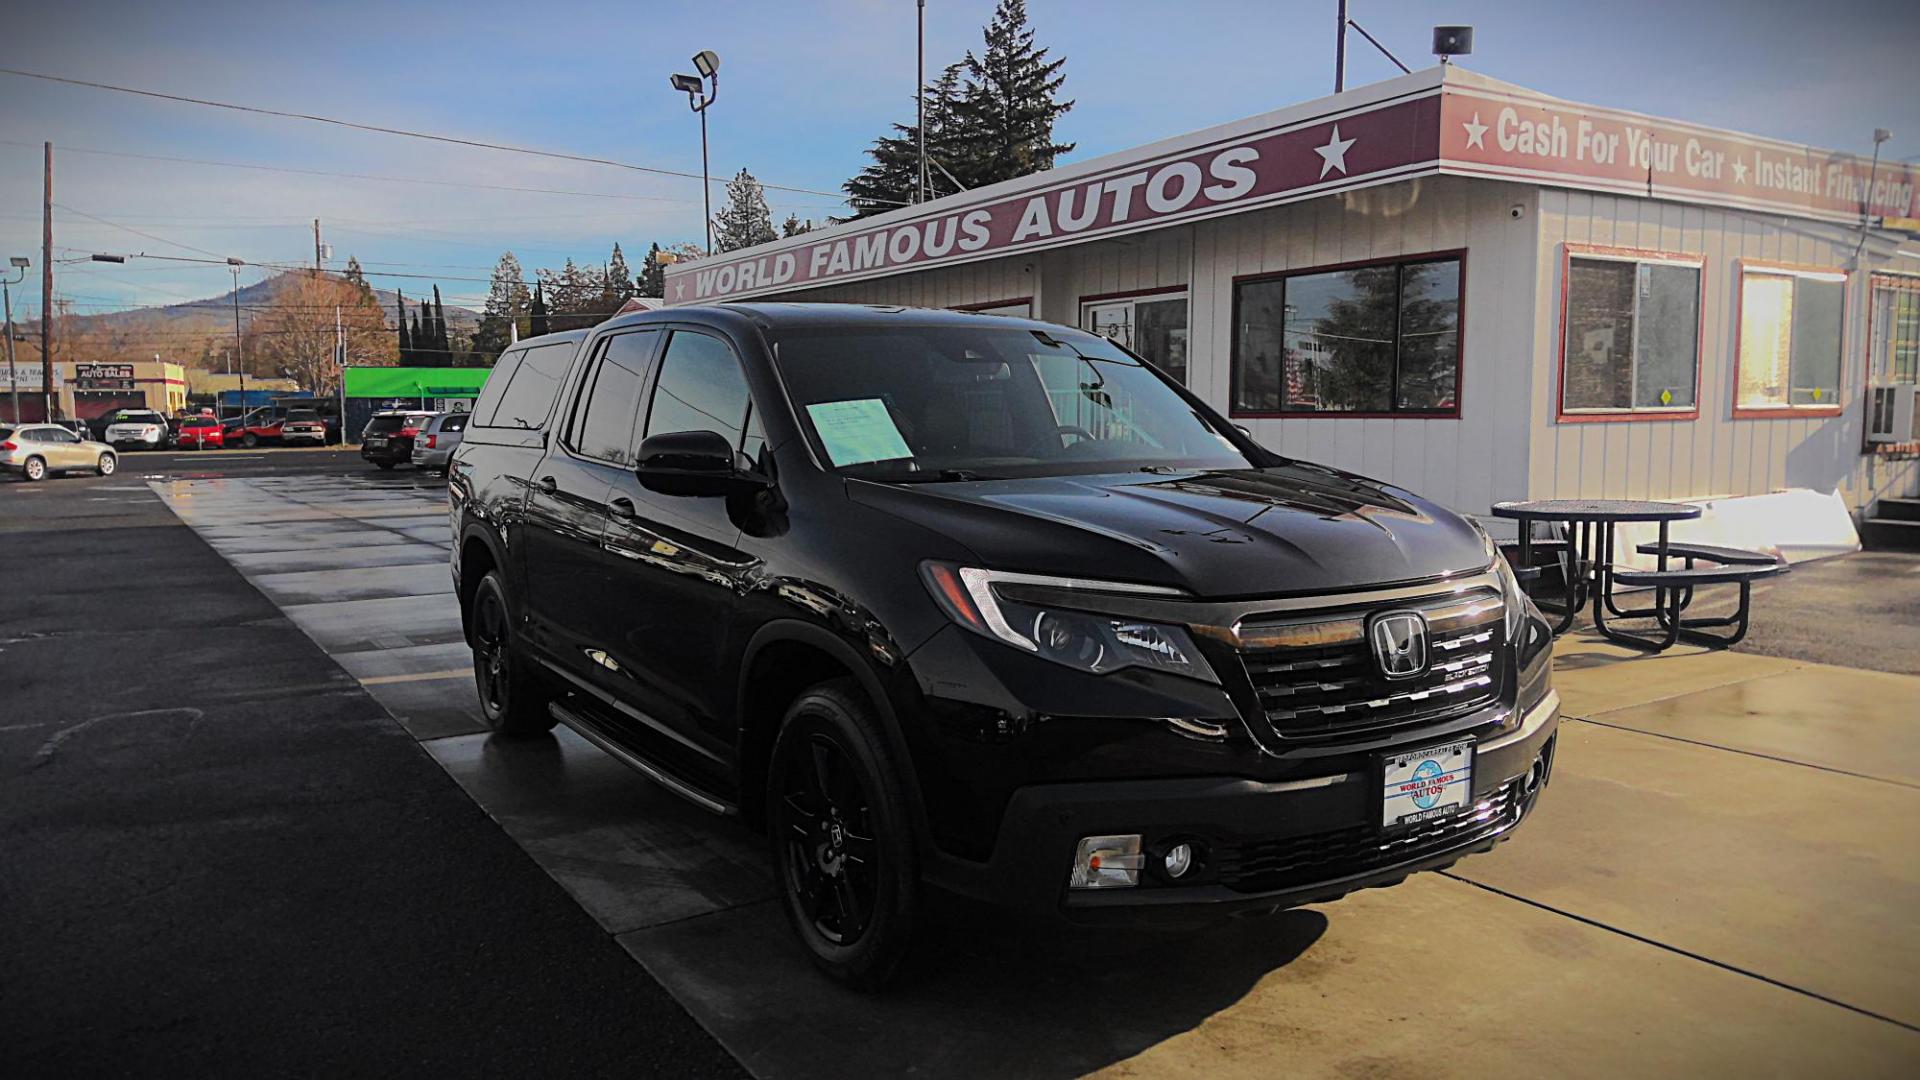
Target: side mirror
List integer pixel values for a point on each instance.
(692, 463)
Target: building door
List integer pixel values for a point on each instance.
(1155, 326)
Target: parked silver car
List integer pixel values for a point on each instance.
(433, 447)
(35, 450)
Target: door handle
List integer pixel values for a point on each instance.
(621, 507)
(549, 485)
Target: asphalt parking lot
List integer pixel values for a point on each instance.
(265, 830)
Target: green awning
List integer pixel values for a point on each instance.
(392, 382)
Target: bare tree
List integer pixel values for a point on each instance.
(295, 334)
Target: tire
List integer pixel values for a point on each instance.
(841, 837)
(249, 440)
(106, 464)
(383, 464)
(513, 698)
(34, 470)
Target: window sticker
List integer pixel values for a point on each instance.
(858, 431)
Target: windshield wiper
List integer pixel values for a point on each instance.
(936, 476)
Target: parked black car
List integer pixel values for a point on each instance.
(387, 440)
(985, 605)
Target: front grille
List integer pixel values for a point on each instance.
(1267, 865)
(1317, 677)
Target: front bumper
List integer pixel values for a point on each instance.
(1263, 845)
(156, 443)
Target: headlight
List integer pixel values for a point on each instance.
(1083, 640)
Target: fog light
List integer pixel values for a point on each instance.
(1107, 862)
(1179, 860)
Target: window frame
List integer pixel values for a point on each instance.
(644, 424)
(590, 374)
(1235, 412)
(1603, 252)
(1133, 299)
(1795, 270)
(1894, 281)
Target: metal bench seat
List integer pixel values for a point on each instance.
(1673, 591)
(1727, 555)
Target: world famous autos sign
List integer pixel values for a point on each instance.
(1205, 177)
(1430, 122)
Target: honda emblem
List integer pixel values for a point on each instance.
(1400, 644)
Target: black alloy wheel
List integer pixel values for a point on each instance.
(827, 823)
(841, 837)
(512, 700)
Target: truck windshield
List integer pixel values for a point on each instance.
(977, 402)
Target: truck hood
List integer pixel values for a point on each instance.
(1289, 529)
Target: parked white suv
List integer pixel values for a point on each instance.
(141, 429)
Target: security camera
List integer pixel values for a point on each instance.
(1516, 211)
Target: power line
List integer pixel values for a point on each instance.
(137, 232)
(402, 132)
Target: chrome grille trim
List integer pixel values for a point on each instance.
(1310, 684)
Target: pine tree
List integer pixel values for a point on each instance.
(793, 226)
(538, 323)
(443, 349)
(356, 275)
(653, 274)
(619, 284)
(893, 180)
(406, 338)
(421, 357)
(506, 304)
(1007, 112)
(744, 219)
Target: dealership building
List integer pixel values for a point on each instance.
(91, 391)
(1466, 288)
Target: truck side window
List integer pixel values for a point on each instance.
(613, 398)
(700, 388)
(529, 397)
(496, 385)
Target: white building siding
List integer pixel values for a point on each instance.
(1713, 454)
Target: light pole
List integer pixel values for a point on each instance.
(699, 96)
(239, 348)
(19, 263)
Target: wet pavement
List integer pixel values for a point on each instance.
(219, 856)
(1723, 878)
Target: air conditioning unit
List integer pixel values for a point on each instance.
(1891, 413)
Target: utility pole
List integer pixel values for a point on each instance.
(46, 289)
(920, 102)
(6, 299)
(1340, 52)
(316, 248)
(239, 346)
(340, 372)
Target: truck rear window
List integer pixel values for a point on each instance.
(529, 396)
(386, 423)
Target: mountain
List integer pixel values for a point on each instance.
(193, 332)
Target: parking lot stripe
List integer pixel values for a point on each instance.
(422, 676)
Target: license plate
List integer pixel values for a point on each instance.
(1420, 785)
(376, 442)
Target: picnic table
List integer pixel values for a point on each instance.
(1587, 552)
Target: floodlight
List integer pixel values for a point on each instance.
(706, 62)
(688, 84)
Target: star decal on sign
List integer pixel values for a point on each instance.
(1739, 171)
(1334, 154)
(1476, 132)
(679, 290)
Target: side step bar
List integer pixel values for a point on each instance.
(587, 730)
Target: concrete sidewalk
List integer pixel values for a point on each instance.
(1724, 879)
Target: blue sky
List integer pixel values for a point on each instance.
(804, 89)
